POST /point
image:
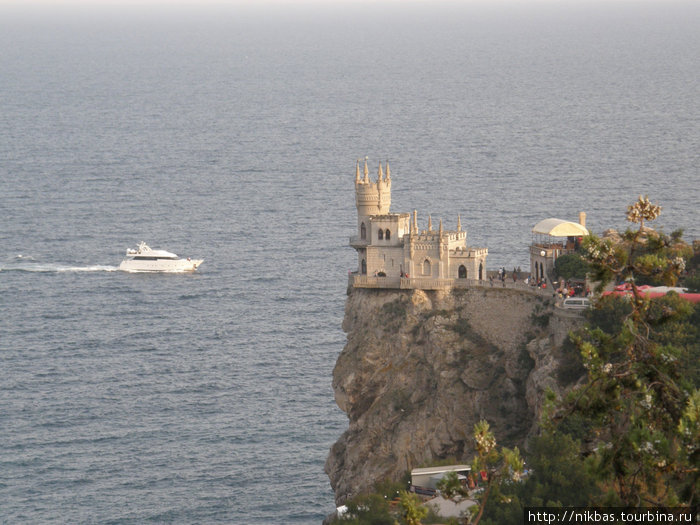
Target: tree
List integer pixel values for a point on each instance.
(450, 487)
(571, 265)
(498, 465)
(637, 414)
(412, 509)
(557, 477)
(366, 509)
(643, 210)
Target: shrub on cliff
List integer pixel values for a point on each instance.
(366, 509)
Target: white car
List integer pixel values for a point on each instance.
(576, 303)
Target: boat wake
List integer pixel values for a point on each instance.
(155, 271)
(54, 268)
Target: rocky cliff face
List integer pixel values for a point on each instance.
(421, 368)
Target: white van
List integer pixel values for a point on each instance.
(576, 303)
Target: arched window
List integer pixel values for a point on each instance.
(380, 234)
(387, 235)
(481, 271)
(364, 267)
(426, 267)
(363, 231)
(462, 272)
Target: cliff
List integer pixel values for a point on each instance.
(421, 368)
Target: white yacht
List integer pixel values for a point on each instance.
(145, 259)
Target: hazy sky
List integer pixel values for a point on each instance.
(116, 3)
(91, 5)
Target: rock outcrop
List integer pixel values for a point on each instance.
(421, 368)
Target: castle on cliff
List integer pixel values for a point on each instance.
(393, 253)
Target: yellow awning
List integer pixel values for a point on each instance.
(559, 228)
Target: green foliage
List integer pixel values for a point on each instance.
(401, 400)
(463, 328)
(395, 309)
(374, 508)
(558, 477)
(390, 490)
(501, 465)
(571, 265)
(541, 316)
(393, 314)
(635, 414)
(691, 279)
(411, 508)
(366, 509)
(451, 487)
(571, 368)
(692, 283)
(609, 313)
(559, 474)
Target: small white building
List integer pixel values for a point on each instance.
(425, 480)
(552, 238)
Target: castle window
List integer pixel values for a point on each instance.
(363, 231)
(380, 234)
(426, 267)
(462, 272)
(387, 235)
(364, 267)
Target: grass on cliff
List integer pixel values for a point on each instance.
(393, 314)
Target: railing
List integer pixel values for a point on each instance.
(366, 281)
(427, 283)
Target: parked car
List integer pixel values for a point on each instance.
(576, 303)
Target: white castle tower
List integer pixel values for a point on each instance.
(371, 198)
(393, 252)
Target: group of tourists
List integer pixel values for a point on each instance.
(572, 289)
(540, 282)
(502, 275)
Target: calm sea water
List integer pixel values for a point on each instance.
(231, 134)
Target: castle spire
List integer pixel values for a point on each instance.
(415, 221)
(430, 223)
(388, 172)
(357, 172)
(440, 231)
(366, 179)
(459, 223)
(380, 173)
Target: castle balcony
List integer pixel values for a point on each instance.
(356, 242)
(366, 281)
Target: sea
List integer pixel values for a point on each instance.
(230, 132)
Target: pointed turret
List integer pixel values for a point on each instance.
(440, 230)
(430, 223)
(415, 221)
(388, 171)
(366, 179)
(357, 172)
(459, 223)
(380, 173)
